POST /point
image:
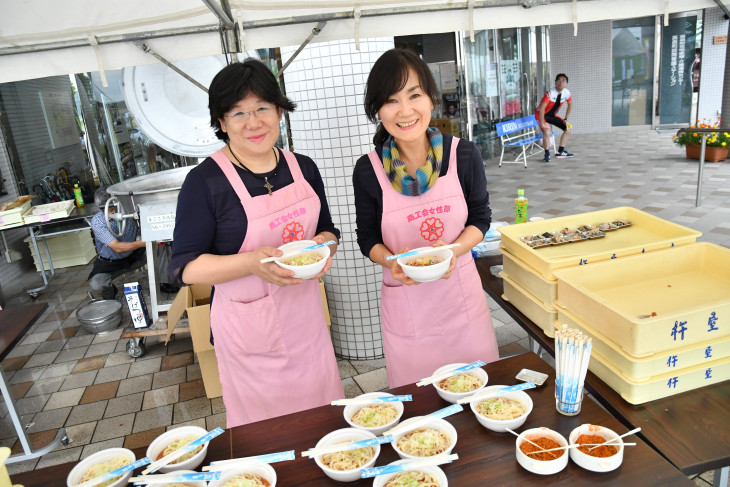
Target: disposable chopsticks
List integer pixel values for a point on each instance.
(435, 378)
(115, 473)
(183, 450)
(424, 250)
(297, 252)
(371, 400)
(424, 420)
(352, 445)
(410, 465)
(481, 394)
(175, 477)
(236, 462)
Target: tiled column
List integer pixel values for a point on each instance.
(327, 80)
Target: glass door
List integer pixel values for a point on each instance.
(633, 71)
(676, 75)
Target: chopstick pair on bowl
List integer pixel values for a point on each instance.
(421, 251)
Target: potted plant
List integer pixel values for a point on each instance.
(716, 145)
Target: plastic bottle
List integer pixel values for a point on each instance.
(520, 207)
(79, 198)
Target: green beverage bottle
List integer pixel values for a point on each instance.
(520, 207)
(77, 194)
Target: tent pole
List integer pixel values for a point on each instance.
(317, 29)
(219, 12)
(167, 63)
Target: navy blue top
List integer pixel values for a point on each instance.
(210, 218)
(369, 195)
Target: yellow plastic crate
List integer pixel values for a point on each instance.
(641, 369)
(646, 233)
(664, 385)
(13, 217)
(530, 306)
(527, 277)
(49, 211)
(653, 302)
(67, 249)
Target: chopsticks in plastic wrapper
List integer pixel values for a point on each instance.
(424, 420)
(182, 451)
(372, 400)
(165, 479)
(413, 464)
(572, 354)
(115, 473)
(236, 462)
(352, 445)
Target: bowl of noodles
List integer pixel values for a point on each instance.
(344, 466)
(433, 439)
(305, 265)
(375, 418)
(174, 439)
(458, 386)
(603, 458)
(499, 411)
(534, 459)
(427, 267)
(423, 476)
(101, 463)
(254, 474)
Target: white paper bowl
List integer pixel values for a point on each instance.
(497, 425)
(438, 424)
(547, 467)
(589, 462)
(263, 470)
(381, 480)
(430, 272)
(341, 436)
(304, 271)
(350, 411)
(161, 442)
(75, 476)
(452, 397)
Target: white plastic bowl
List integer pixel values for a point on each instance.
(438, 424)
(541, 467)
(350, 411)
(161, 442)
(75, 476)
(381, 480)
(497, 425)
(341, 436)
(589, 462)
(452, 397)
(263, 470)
(430, 272)
(304, 271)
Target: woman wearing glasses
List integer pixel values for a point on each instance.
(420, 188)
(273, 348)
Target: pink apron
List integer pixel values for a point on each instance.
(436, 323)
(274, 353)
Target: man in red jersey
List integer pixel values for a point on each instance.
(546, 115)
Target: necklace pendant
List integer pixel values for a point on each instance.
(268, 185)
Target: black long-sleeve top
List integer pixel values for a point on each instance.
(210, 218)
(369, 195)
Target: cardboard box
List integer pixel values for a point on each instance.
(447, 125)
(194, 301)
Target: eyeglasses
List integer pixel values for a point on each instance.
(245, 116)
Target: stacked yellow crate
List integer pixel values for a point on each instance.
(529, 280)
(660, 321)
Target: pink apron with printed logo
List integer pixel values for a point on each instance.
(435, 323)
(274, 352)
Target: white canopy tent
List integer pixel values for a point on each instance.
(41, 38)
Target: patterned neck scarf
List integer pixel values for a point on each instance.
(426, 176)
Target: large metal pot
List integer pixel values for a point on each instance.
(100, 315)
(151, 187)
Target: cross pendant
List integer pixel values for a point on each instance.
(268, 185)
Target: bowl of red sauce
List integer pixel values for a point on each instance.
(531, 454)
(602, 458)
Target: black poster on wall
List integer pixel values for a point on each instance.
(675, 84)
